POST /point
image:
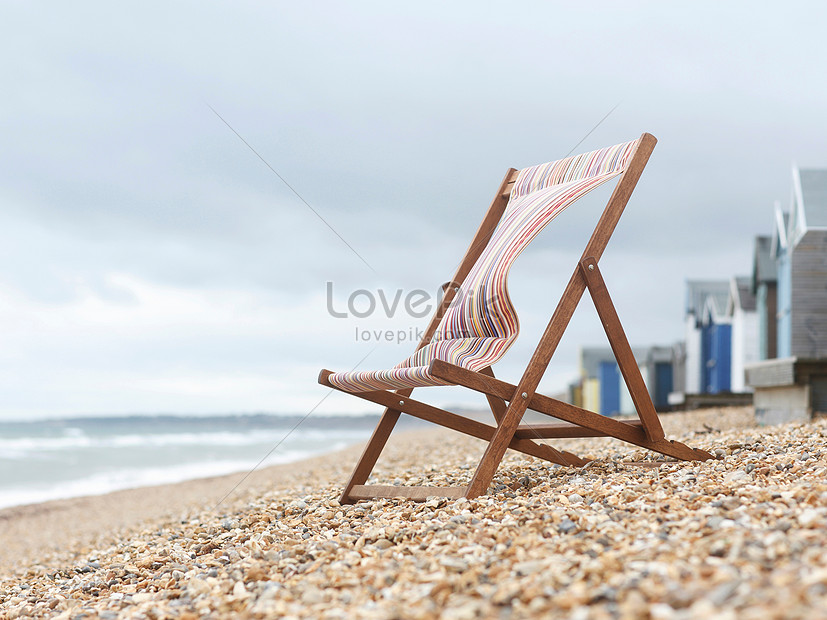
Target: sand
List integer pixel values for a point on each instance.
(626, 536)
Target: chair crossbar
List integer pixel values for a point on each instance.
(561, 430)
(417, 494)
(459, 423)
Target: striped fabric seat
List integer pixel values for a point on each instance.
(480, 324)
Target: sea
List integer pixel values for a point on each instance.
(63, 458)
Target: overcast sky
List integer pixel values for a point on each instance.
(152, 263)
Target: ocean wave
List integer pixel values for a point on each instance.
(129, 478)
(23, 447)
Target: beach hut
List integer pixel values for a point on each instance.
(602, 386)
(716, 349)
(677, 397)
(794, 386)
(657, 369)
(743, 318)
(707, 337)
(765, 290)
(779, 251)
(804, 301)
(799, 249)
(601, 380)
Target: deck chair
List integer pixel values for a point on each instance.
(475, 324)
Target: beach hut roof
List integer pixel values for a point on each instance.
(591, 357)
(711, 294)
(809, 210)
(741, 295)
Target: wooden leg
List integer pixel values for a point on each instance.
(498, 408)
(621, 349)
(370, 454)
(498, 405)
(518, 401)
(495, 450)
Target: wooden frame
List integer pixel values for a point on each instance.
(509, 402)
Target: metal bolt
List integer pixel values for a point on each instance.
(401, 402)
(524, 395)
(456, 288)
(591, 267)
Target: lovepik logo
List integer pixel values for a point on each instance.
(362, 303)
(417, 303)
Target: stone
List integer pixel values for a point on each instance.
(736, 476)
(712, 539)
(810, 517)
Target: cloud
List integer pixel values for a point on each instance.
(134, 224)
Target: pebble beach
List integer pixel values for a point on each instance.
(630, 535)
